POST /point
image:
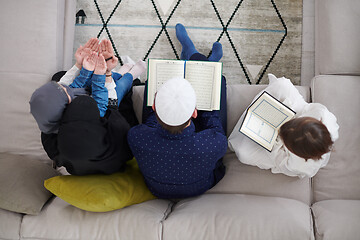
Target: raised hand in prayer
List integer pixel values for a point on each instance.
(106, 49)
(100, 67)
(91, 46)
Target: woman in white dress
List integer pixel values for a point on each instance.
(303, 145)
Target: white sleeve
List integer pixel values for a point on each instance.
(278, 159)
(110, 86)
(293, 165)
(246, 150)
(281, 157)
(70, 75)
(283, 90)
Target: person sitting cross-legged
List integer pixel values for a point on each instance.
(178, 148)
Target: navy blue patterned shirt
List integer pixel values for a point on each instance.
(179, 165)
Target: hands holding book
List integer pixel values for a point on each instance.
(205, 75)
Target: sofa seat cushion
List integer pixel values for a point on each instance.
(22, 183)
(236, 216)
(337, 219)
(339, 179)
(10, 225)
(60, 220)
(246, 179)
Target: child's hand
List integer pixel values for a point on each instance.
(79, 56)
(92, 44)
(89, 62)
(106, 49)
(111, 64)
(83, 51)
(100, 67)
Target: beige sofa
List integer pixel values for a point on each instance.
(248, 203)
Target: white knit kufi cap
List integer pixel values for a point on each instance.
(175, 101)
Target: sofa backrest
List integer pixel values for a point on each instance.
(339, 179)
(239, 97)
(337, 86)
(32, 47)
(337, 35)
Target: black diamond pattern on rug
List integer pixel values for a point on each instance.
(225, 31)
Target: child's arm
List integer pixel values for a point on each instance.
(82, 80)
(99, 91)
(69, 76)
(123, 86)
(80, 54)
(106, 50)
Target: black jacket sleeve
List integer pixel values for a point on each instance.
(49, 142)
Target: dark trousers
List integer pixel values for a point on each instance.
(50, 141)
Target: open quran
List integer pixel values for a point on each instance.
(263, 119)
(204, 76)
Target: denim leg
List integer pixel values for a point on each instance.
(123, 86)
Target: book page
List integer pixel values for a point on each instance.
(271, 110)
(270, 113)
(205, 77)
(166, 71)
(263, 119)
(159, 71)
(259, 127)
(201, 79)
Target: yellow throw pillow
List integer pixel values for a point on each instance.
(100, 192)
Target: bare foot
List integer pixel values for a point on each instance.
(90, 61)
(100, 67)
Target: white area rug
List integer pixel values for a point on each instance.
(258, 36)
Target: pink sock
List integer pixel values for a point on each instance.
(138, 69)
(125, 68)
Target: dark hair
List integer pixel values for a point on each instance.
(172, 129)
(57, 76)
(306, 137)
